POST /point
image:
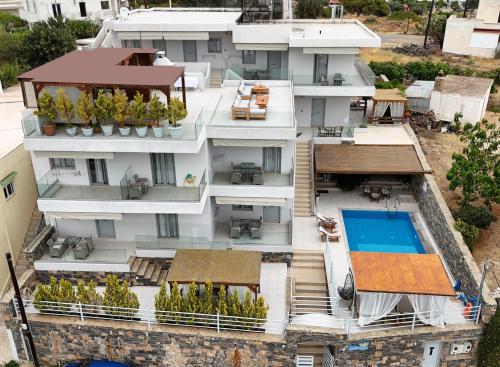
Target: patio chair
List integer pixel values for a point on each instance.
(56, 248)
(375, 193)
(134, 191)
(257, 176)
(386, 191)
(256, 229)
(331, 236)
(235, 229)
(143, 182)
(347, 291)
(84, 248)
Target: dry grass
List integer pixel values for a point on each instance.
(385, 24)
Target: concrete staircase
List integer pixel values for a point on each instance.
(216, 78)
(144, 270)
(312, 349)
(303, 206)
(309, 286)
(22, 263)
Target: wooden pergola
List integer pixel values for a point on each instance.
(390, 96)
(105, 68)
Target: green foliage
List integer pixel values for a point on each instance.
(175, 298)
(11, 363)
(248, 306)
(175, 111)
(370, 20)
(11, 22)
(475, 215)
(104, 106)
(118, 294)
(455, 6)
(391, 69)
(56, 291)
(477, 169)
(307, 9)
(261, 308)
(391, 84)
(469, 232)
(87, 295)
(137, 108)
(437, 27)
(191, 303)
(9, 73)
(367, 7)
(162, 303)
(9, 47)
(64, 107)
(120, 110)
(46, 107)
(81, 28)
(207, 301)
(234, 304)
(404, 16)
(157, 111)
(488, 350)
(457, 122)
(221, 306)
(45, 42)
(85, 109)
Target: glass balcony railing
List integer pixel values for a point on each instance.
(244, 72)
(50, 187)
(330, 80)
(192, 128)
(174, 243)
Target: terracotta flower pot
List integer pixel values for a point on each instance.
(49, 129)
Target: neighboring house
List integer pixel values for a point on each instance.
(419, 95)
(17, 182)
(11, 6)
(455, 93)
(36, 10)
(475, 37)
(275, 135)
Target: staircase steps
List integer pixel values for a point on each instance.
(142, 268)
(163, 276)
(135, 265)
(302, 204)
(149, 271)
(315, 350)
(156, 274)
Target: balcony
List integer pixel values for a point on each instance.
(126, 197)
(190, 141)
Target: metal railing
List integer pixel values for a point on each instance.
(150, 316)
(302, 305)
(330, 277)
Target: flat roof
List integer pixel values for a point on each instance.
(101, 67)
(218, 266)
(389, 95)
(400, 273)
(11, 133)
(367, 159)
(465, 85)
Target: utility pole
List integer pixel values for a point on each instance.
(465, 8)
(25, 326)
(428, 24)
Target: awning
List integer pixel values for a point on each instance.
(262, 46)
(249, 143)
(332, 50)
(422, 274)
(367, 159)
(229, 200)
(221, 267)
(85, 216)
(179, 36)
(8, 179)
(74, 155)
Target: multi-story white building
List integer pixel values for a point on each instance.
(37, 10)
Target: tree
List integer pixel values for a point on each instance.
(103, 105)
(46, 107)
(176, 111)
(84, 109)
(87, 295)
(175, 300)
(455, 6)
(307, 9)
(368, 7)
(437, 27)
(477, 169)
(191, 303)
(9, 46)
(207, 302)
(137, 108)
(261, 308)
(234, 303)
(120, 111)
(50, 296)
(221, 307)
(162, 304)
(488, 350)
(81, 28)
(118, 297)
(248, 306)
(64, 107)
(157, 111)
(46, 41)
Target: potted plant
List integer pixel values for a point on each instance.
(175, 113)
(85, 112)
(120, 113)
(138, 112)
(47, 111)
(66, 110)
(157, 112)
(104, 109)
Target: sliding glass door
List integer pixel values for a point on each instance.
(320, 68)
(168, 225)
(163, 166)
(271, 159)
(98, 172)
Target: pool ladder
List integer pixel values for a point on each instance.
(397, 204)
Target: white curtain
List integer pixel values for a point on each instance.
(380, 108)
(397, 109)
(374, 306)
(429, 309)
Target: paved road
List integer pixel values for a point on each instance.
(397, 38)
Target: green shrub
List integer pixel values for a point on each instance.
(391, 69)
(488, 350)
(56, 291)
(234, 304)
(404, 15)
(191, 303)
(118, 294)
(81, 28)
(221, 306)
(11, 364)
(261, 308)
(10, 22)
(207, 301)
(162, 303)
(477, 216)
(9, 73)
(469, 232)
(87, 295)
(370, 20)
(391, 84)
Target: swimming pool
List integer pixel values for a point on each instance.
(381, 231)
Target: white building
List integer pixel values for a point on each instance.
(475, 37)
(11, 6)
(37, 10)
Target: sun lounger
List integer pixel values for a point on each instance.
(331, 236)
(322, 219)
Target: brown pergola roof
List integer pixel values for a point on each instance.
(389, 95)
(400, 273)
(367, 159)
(221, 267)
(104, 67)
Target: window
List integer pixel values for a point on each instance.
(83, 9)
(215, 45)
(8, 190)
(167, 225)
(131, 43)
(160, 45)
(105, 228)
(247, 208)
(62, 163)
(104, 5)
(248, 56)
(56, 10)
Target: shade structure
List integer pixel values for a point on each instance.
(367, 159)
(74, 155)
(249, 143)
(221, 267)
(421, 274)
(84, 216)
(389, 95)
(232, 200)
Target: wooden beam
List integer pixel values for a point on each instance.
(183, 90)
(167, 90)
(23, 90)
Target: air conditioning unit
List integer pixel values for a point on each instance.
(461, 348)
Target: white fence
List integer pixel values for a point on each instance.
(150, 317)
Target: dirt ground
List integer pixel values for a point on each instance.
(438, 148)
(385, 24)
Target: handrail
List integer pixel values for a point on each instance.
(312, 177)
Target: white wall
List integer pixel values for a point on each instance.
(488, 10)
(303, 64)
(42, 9)
(337, 111)
(446, 105)
(457, 36)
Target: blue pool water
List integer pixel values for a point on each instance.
(381, 231)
